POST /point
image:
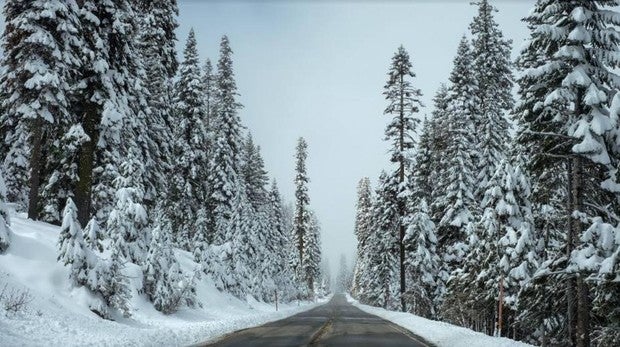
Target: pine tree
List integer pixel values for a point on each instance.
(111, 96)
(455, 204)
(311, 260)
(254, 174)
(422, 261)
(128, 220)
(225, 176)
(404, 102)
(45, 35)
(191, 158)
(164, 283)
(363, 228)
(280, 246)
(72, 248)
(5, 221)
(93, 236)
(382, 247)
(492, 69)
(576, 81)
(157, 40)
(301, 223)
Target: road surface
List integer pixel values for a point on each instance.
(336, 323)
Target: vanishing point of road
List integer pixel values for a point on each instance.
(336, 323)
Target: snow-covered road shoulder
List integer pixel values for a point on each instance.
(439, 333)
(57, 314)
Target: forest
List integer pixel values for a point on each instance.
(501, 213)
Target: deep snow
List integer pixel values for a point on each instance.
(439, 333)
(58, 314)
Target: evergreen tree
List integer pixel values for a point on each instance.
(254, 174)
(111, 94)
(128, 220)
(363, 228)
(164, 283)
(576, 81)
(157, 40)
(382, 283)
(225, 167)
(93, 236)
(492, 70)
(280, 246)
(301, 221)
(455, 204)
(404, 102)
(72, 248)
(311, 260)
(41, 62)
(422, 261)
(191, 160)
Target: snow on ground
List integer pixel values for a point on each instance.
(439, 333)
(58, 315)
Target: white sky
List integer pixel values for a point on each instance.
(317, 69)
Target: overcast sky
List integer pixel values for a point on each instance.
(317, 70)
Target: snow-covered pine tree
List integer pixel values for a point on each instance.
(438, 132)
(280, 247)
(403, 103)
(164, 283)
(210, 91)
(492, 70)
(455, 204)
(188, 189)
(576, 81)
(422, 170)
(311, 260)
(382, 286)
(128, 220)
(72, 248)
(157, 41)
(422, 261)
(5, 221)
(254, 174)
(111, 95)
(93, 236)
(40, 66)
(363, 228)
(237, 254)
(225, 177)
(301, 219)
(501, 250)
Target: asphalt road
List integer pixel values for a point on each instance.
(336, 323)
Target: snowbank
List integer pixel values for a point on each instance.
(58, 315)
(439, 333)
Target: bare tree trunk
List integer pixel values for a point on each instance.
(86, 163)
(582, 332)
(35, 168)
(571, 312)
(583, 313)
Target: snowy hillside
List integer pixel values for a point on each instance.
(440, 333)
(57, 314)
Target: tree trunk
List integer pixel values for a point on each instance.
(571, 312)
(401, 204)
(35, 168)
(86, 163)
(582, 302)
